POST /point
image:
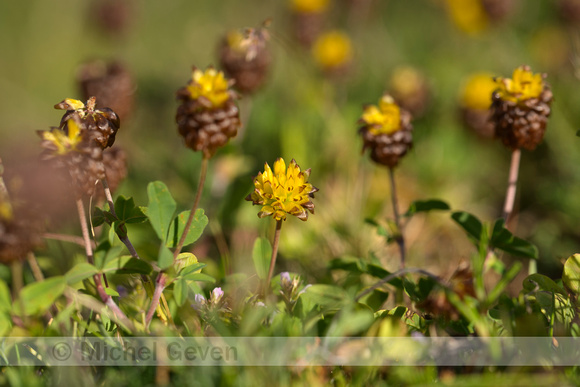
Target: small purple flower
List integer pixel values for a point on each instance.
(122, 291)
(216, 295)
(285, 277)
(199, 302)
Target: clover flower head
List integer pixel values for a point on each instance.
(468, 15)
(477, 91)
(384, 118)
(407, 80)
(247, 43)
(283, 191)
(332, 50)
(309, 6)
(523, 85)
(82, 109)
(101, 124)
(61, 142)
(6, 210)
(209, 85)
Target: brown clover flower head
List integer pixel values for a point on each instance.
(208, 116)
(111, 83)
(20, 226)
(386, 131)
(245, 57)
(520, 108)
(101, 124)
(73, 149)
(283, 191)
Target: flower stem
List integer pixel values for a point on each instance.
(399, 237)
(159, 287)
(274, 255)
(107, 300)
(161, 281)
(66, 238)
(3, 191)
(204, 162)
(512, 185)
(33, 263)
(16, 273)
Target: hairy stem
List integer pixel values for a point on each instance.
(107, 300)
(3, 191)
(274, 255)
(161, 281)
(33, 263)
(16, 273)
(159, 287)
(510, 195)
(67, 238)
(202, 175)
(399, 237)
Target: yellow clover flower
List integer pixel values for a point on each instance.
(62, 141)
(309, 6)
(283, 191)
(468, 15)
(6, 211)
(211, 85)
(383, 119)
(477, 91)
(332, 50)
(522, 86)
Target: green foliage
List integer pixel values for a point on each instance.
(127, 265)
(177, 227)
(334, 259)
(160, 209)
(37, 297)
(469, 223)
(80, 272)
(261, 255)
(501, 237)
(165, 257)
(426, 206)
(326, 297)
(571, 275)
(127, 211)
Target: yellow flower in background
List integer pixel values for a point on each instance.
(468, 15)
(6, 211)
(309, 6)
(522, 86)
(211, 85)
(283, 191)
(476, 93)
(61, 142)
(407, 80)
(384, 118)
(332, 50)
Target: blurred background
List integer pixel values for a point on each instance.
(327, 59)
